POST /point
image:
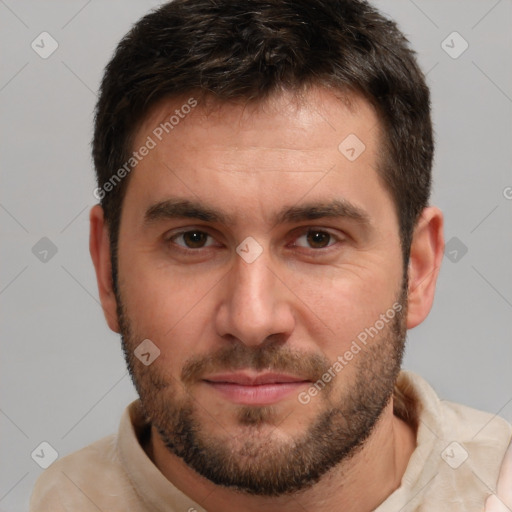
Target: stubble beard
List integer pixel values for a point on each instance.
(266, 461)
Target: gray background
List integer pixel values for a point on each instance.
(62, 374)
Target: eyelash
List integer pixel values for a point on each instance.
(172, 238)
(334, 240)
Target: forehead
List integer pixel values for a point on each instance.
(277, 150)
(291, 114)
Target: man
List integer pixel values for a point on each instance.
(263, 243)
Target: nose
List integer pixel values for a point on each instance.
(255, 305)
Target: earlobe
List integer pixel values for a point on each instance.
(99, 247)
(426, 255)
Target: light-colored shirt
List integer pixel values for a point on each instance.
(454, 467)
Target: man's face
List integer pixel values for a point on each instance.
(254, 253)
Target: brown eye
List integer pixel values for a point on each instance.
(318, 239)
(192, 239)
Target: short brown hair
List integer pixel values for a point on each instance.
(247, 50)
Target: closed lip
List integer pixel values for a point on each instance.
(254, 379)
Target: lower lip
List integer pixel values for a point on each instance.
(262, 394)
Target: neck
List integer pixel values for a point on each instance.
(360, 483)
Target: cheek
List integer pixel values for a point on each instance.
(336, 305)
(171, 308)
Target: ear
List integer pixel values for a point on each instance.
(99, 247)
(427, 249)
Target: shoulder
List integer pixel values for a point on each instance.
(485, 436)
(459, 451)
(461, 434)
(75, 481)
(454, 421)
(477, 427)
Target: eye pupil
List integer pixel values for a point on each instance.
(194, 239)
(318, 239)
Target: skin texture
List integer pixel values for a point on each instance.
(250, 162)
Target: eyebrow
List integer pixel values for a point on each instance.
(184, 208)
(338, 208)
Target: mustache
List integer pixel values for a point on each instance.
(265, 357)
